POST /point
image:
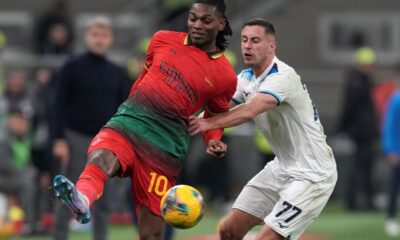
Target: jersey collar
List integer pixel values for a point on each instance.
(214, 55)
(272, 68)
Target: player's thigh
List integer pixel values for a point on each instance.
(254, 203)
(150, 225)
(301, 202)
(260, 194)
(112, 152)
(106, 160)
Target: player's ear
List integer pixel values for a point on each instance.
(273, 45)
(222, 24)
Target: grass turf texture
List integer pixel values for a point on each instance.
(333, 224)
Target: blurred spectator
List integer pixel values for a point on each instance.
(381, 93)
(41, 96)
(136, 64)
(57, 40)
(11, 216)
(15, 97)
(16, 171)
(53, 33)
(41, 150)
(359, 122)
(88, 90)
(391, 145)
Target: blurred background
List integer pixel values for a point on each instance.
(347, 52)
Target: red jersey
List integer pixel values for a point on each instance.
(181, 78)
(151, 137)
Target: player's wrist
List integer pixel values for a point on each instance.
(213, 134)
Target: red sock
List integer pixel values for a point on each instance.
(91, 182)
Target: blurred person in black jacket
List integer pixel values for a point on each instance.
(359, 122)
(41, 91)
(88, 90)
(53, 31)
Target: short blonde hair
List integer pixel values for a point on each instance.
(99, 20)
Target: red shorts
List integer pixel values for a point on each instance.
(149, 180)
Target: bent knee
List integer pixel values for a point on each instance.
(106, 161)
(227, 230)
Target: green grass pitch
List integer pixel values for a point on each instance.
(333, 224)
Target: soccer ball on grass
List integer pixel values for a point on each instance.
(182, 206)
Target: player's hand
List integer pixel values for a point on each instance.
(61, 151)
(198, 125)
(216, 148)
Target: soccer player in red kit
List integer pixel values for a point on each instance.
(148, 138)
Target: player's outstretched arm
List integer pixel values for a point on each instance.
(237, 115)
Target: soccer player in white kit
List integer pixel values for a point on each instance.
(291, 191)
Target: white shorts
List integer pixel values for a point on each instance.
(286, 204)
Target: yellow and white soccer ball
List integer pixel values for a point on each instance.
(182, 206)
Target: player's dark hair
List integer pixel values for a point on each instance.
(269, 27)
(221, 41)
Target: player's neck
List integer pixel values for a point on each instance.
(210, 47)
(260, 69)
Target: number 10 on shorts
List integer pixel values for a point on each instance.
(158, 184)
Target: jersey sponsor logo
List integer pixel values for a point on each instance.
(282, 226)
(176, 80)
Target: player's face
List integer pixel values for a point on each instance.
(99, 39)
(204, 24)
(258, 47)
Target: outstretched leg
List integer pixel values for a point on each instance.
(78, 198)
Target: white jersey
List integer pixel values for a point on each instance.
(293, 128)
